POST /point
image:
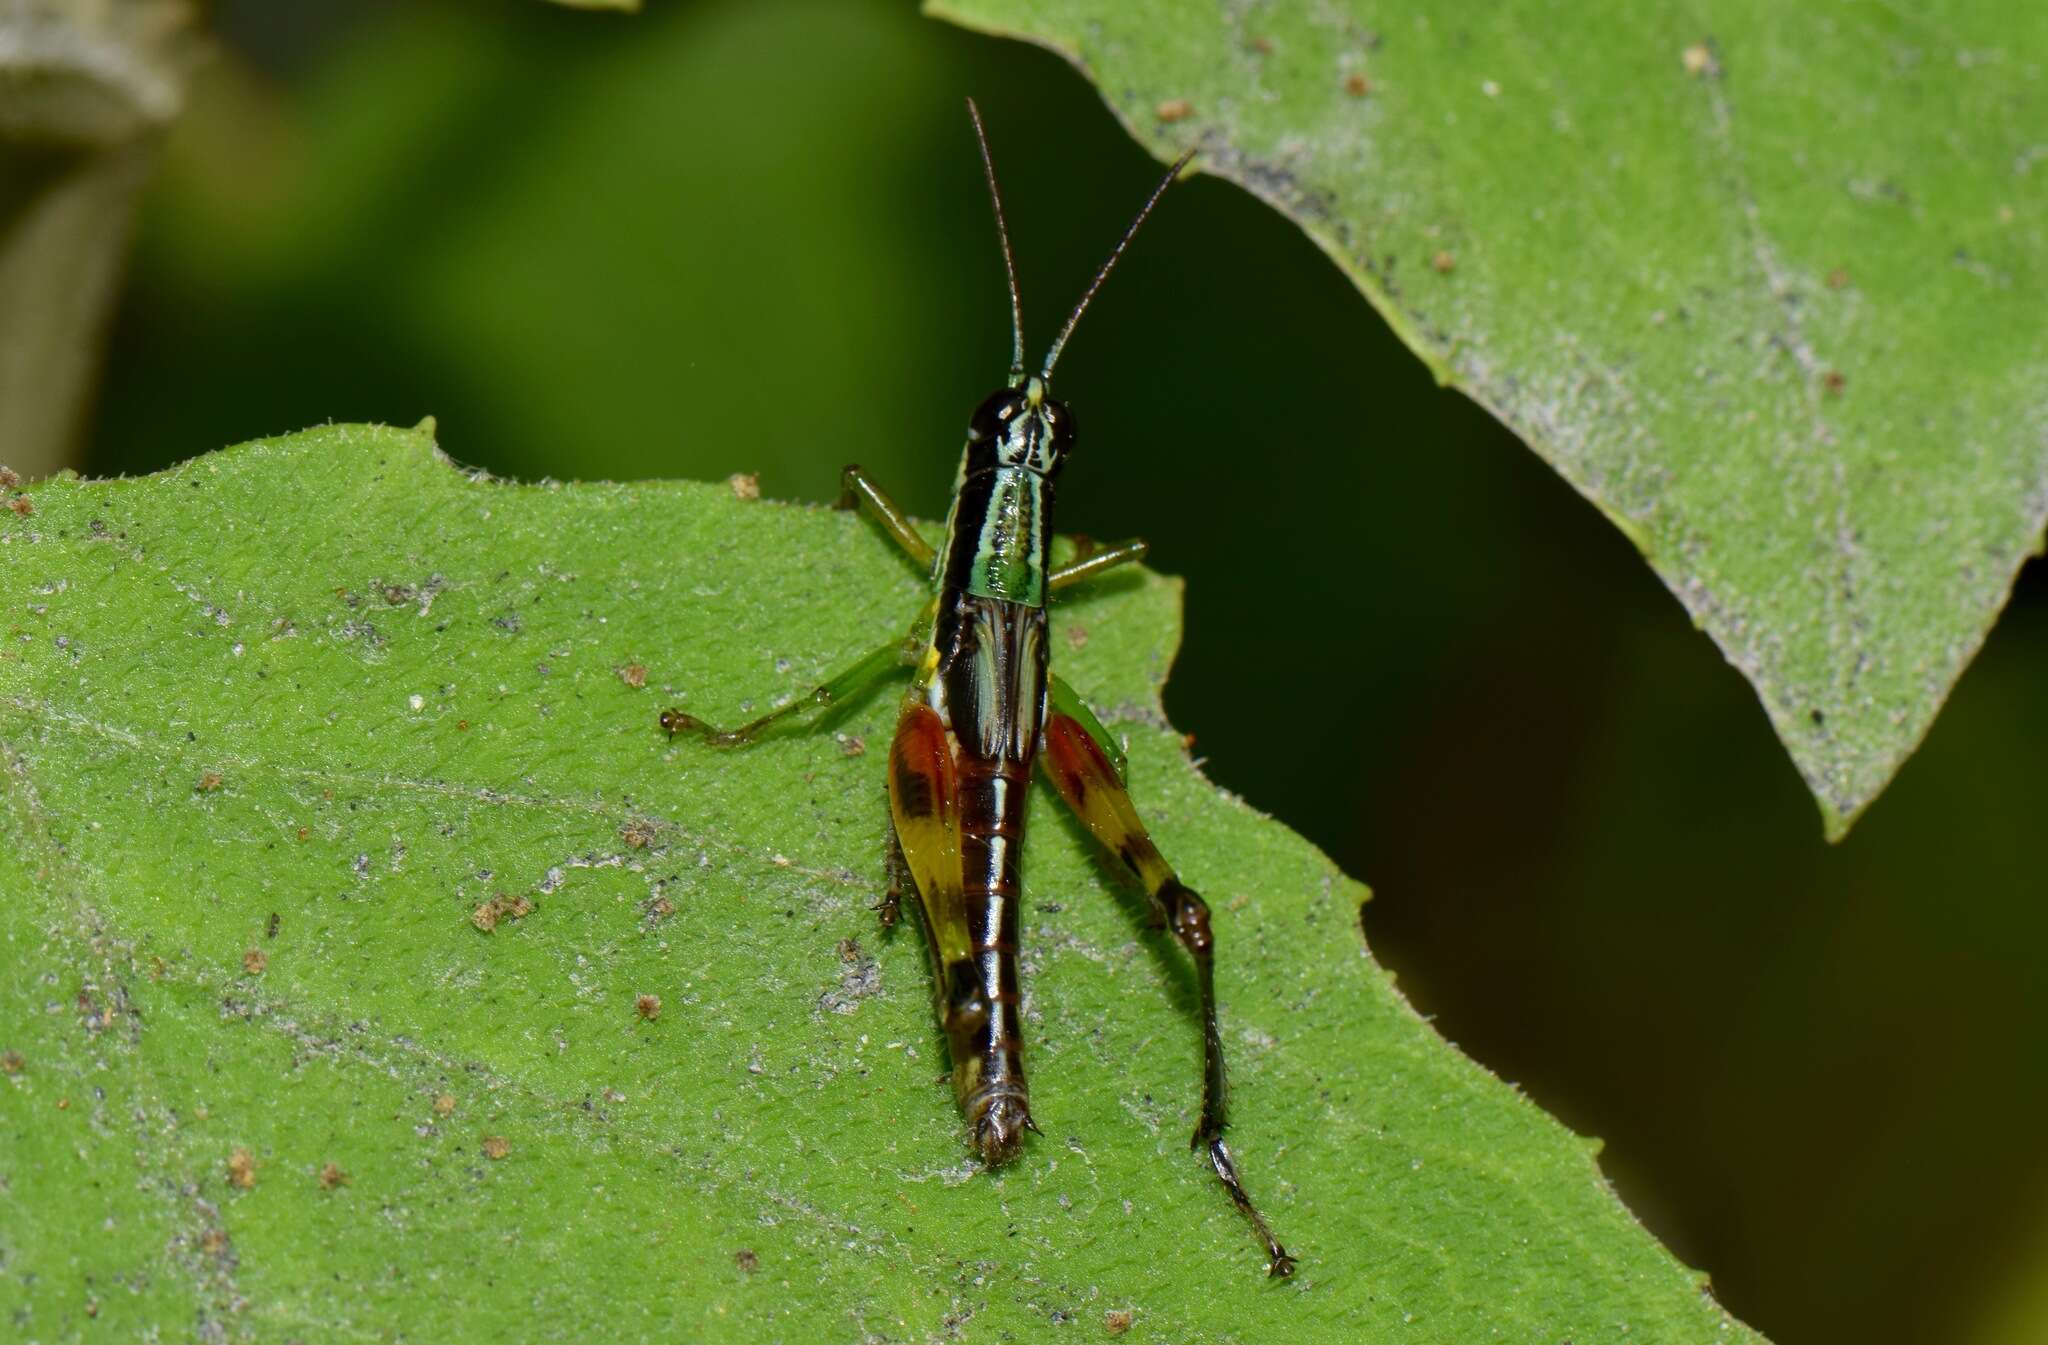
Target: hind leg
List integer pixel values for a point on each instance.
(1089, 782)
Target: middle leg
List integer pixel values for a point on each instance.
(849, 682)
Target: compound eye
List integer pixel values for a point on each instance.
(1062, 422)
(993, 416)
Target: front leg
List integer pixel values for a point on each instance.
(857, 490)
(1091, 785)
(1092, 562)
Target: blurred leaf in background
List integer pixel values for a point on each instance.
(86, 89)
(2019, 1311)
(1819, 1071)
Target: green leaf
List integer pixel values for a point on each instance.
(277, 722)
(1761, 281)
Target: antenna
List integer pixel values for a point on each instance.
(1052, 356)
(995, 194)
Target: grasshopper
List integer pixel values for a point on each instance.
(982, 708)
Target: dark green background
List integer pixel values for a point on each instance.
(726, 237)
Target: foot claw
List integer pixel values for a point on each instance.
(676, 721)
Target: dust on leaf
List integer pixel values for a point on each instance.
(801, 1103)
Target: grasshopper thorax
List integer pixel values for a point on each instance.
(1020, 426)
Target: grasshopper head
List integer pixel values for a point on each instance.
(1021, 426)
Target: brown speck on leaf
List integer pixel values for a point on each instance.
(20, 505)
(462, 726)
(1443, 263)
(304, 832)
(1263, 45)
(1698, 60)
(1357, 85)
(1116, 1321)
(1832, 382)
(1173, 109)
(213, 1242)
(661, 908)
(1077, 635)
(848, 950)
(1838, 277)
(242, 1169)
(208, 782)
(496, 1146)
(444, 1104)
(92, 1307)
(9, 477)
(745, 485)
(499, 907)
(332, 1176)
(852, 744)
(11, 1062)
(63, 1104)
(648, 1007)
(634, 675)
(255, 961)
(638, 832)
(746, 1260)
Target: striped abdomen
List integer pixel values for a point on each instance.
(970, 732)
(983, 1026)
